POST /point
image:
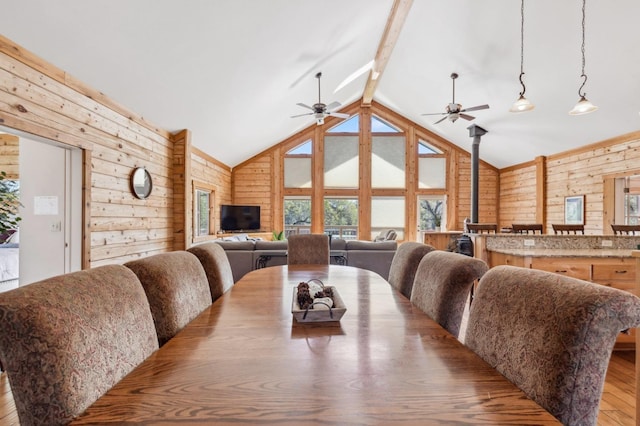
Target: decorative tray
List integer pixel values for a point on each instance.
(319, 310)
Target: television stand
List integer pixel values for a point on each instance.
(267, 236)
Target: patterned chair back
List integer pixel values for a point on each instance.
(216, 266)
(177, 288)
(404, 264)
(551, 335)
(67, 340)
(443, 285)
(308, 249)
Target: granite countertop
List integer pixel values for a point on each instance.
(542, 252)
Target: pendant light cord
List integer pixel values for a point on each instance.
(524, 89)
(582, 49)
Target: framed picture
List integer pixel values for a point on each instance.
(574, 210)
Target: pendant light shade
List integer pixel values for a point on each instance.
(583, 106)
(522, 104)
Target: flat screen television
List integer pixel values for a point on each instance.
(234, 218)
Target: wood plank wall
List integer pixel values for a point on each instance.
(182, 194)
(10, 155)
(252, 185)
(40, 99)
(259, 180)
(518, 194)
(208, 170)
(581, 171)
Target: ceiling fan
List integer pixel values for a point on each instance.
(320, 110)
(453, 111)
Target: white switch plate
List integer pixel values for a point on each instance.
(529, 243)
(607, 243)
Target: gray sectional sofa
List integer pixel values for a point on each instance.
(245, 256)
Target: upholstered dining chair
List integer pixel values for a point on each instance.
(404, 264)
(67, 340)
(177, 288)
(309, 249)
(551, 335)
(216, 266)
(442, 286)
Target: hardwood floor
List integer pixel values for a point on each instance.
(618, 403)
(8, 415)
(616, 408)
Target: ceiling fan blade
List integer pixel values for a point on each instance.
(442, 119)
(435, 113)
(333, 105)
(475, 108)
(304, 105)
(466, 116)
(338, 114)
(301, 115)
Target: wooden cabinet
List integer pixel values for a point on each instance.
(494, 258)
(572, 267)
(615, 272)
(441, 240)
(620, 274)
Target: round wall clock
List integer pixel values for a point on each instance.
(141, 184)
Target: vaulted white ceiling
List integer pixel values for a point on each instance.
(233, 71)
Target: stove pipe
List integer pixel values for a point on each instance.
(476, 132)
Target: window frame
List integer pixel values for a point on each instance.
(211, 190)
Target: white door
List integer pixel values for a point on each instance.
(50, 193)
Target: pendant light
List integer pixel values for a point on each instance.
(583, 106)
(522, 104)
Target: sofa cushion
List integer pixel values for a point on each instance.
(370, 245)
(271, 245)
(338, 244)
(237, 245)
(378, 261)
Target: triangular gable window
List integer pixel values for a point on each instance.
(303, 149)
(352, 125)
(381, 126)
(425, 148)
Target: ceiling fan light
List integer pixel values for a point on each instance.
(583, 107)
(522, 105)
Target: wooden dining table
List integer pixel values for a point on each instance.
(245, 360)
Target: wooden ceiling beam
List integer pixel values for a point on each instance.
(397, 16)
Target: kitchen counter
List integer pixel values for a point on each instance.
(544, 252)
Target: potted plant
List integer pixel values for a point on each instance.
(437, 219)
(9, 204)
